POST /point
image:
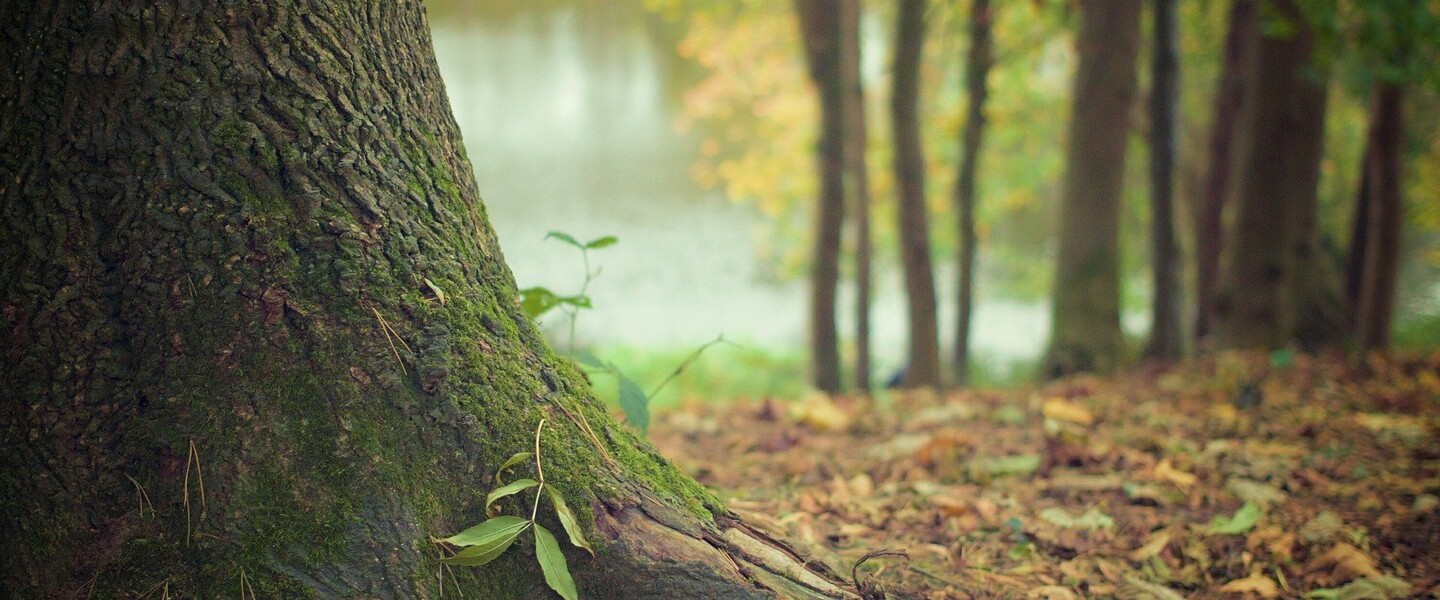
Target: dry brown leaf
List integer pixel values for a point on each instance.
(817, 411)
(1255, 584)
(1343, 563)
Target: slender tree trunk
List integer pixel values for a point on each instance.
(820, 28)
(1085, 333)
(1166, 337)
(1273, 289)
(1359, 238)
(857, 181)
(1229, 93)
(978, 61)
(1383, 179)
(260, 335)
(924, 367)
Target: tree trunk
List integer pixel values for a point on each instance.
(1383, 180)
(978, 60)
(924, 366)
(857, 181)
(1085, 333)
(1273, 289)
(1166, 338)
(260, 335)
(820, 29)
(1229, 95)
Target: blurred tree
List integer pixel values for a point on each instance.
(978, 60)
(820, 27)
(1396, 43)
(1085, 330)
(1229, 94)
(1166, 337)
(857, 181)
(1275, 288)
(923, 368)
(248, 286)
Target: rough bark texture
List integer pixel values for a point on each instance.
(259, 330)
(857, 182)
(1085, 333)
(1273, 289)
(1229, 95)
(978, 61)
(924, 351)
(1167, 342)
(1375, 307)
(820, 29)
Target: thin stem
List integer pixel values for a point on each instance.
(539, 472)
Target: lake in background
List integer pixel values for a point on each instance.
(568, 110)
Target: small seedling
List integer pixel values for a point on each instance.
(537, 301)
(488, 540)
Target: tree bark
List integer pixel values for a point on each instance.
(1167, 341)
(909, 163)
(1085, 327)
(1273, 289)
(857, 182)
(1383, 180)
(978, 61)
(820, 30)
(1219, 186)
(260, 334)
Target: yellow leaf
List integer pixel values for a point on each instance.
(818, 412)
(1255, 584)
(1061, 409)
(1152, 548)
(1166, 472)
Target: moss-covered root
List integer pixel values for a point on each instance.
(654, 552)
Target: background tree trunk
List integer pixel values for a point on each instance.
(978, 60)
(1085, 330)
(1384, 159)
(1229, 95)
(258, 328)
(820, 30)
(857, 181)
(1167, 341)
(1273, 289)
(924, 366)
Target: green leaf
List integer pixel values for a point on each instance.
(1092, 519)
(590, 360)
(537, 301)
(1242, 521)
(634, 403)
(1282, 358)
(576, 301)
(552, 564)
(601, 242)
(486, 541)
(515, 487)
(567, 519)
(564, 237)
(514, 459)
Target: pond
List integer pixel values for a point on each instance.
(568, 110)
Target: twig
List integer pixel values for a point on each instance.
(389, 332)
(720, 339)
(584, 426)
(539, 472)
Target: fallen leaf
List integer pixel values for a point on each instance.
(1255, 584)
(1061, 409)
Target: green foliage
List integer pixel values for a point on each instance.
(536, 301)
(485, 542)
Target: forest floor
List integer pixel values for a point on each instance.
(1238, 476)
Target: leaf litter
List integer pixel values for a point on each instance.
(1234, 476)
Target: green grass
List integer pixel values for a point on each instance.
(1417, 331)
(727, 373)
